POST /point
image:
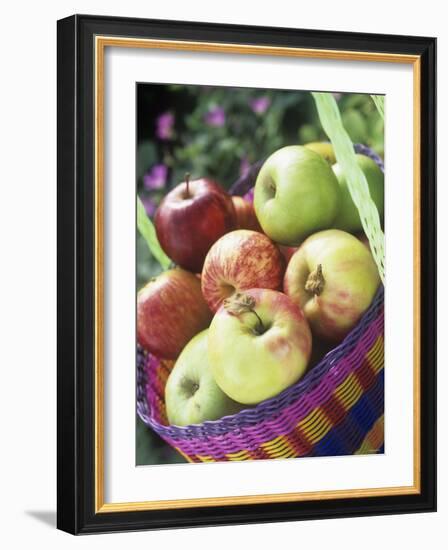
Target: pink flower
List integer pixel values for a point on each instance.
(249, 196)
(216, 117)
(244, 166)
(156, 177)
(150, 206)
(164, 126)
(260, 105)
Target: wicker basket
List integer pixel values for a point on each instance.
(337, 408)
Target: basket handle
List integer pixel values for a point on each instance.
(331, 121)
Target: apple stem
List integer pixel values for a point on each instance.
(315, 282)
(187, 185)
(243, 303)
(261, 329)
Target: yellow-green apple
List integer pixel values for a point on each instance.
(191, 393)
(245, 214)
(333, 278)
(191, 218)
(296, 194)
(347, 217)
(324, 148)
(259, 343)
(239, 260)
(170, 311)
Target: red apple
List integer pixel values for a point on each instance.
(240, 260)
(245, 214)
(191, 218)
(333, 278)
(287, 251)
(170, 311)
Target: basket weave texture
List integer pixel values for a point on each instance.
(336, 408)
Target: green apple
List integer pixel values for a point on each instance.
(347, 217)
(324, 148)
(296, 194)
(191, 393)
(259, 344)
(333, 278)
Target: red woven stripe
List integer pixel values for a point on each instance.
(300, 442)
(365, 374)
(334, 410)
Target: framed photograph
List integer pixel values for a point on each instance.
(246, 274)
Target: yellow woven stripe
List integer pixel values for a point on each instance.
(240, 455)
(375, 356)
(374, 439)
(349, 391)
(272, 443)
(205, 458)
(278, 447)
(315, 426)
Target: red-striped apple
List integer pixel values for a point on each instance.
(191, 218)
(170, 311)
(259, 344)
(333, 278)
(240, 260)
(245, 214)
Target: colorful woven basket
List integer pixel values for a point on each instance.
(337, 408)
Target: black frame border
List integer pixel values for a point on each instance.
(75, 273)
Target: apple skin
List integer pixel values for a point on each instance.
(350, 280)
(347, 217)
(250, 366)
(296, 194)
(191, 393)
(324, 148)
(288, 252)
(240, 260)
(187, 226)
(245, 214)
(170, 311)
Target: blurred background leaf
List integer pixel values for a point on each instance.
(148, 232)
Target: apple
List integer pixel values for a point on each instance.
(259, 343)
(347, 217)
(245, 214)
(239, 260)
(191, 218)
(170, 311)
(364, 239)
(287, 252)
(191, 393)
(333, 278)
(296, 194)
(324, 148)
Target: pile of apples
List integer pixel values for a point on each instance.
(256, 286)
